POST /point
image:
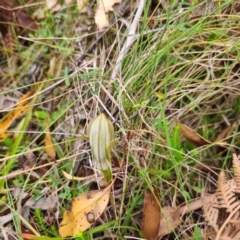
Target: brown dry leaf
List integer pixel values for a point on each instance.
(27, 23)
(21, 108)
(227, 132)
(49, 148)
(193, 137)
(86, 209)
(104, 6)
(151, 214)
(170, 219)
(82, 5)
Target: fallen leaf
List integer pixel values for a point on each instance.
(227, 132)
(193, 137)
(87, 205)
(27, 22)
(82, 5)
(104, 6)
(21, 108)
(49, 148)
(86, 209)
(170, 219)
(151, 214)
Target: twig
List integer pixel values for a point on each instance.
(130, 39)
(132, 36)
(21, 7)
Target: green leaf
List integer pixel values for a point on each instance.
(57, 114)
(159, 95)
(41, 114)
(63, 195)
(197, 235)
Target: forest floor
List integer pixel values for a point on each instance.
(165, 75)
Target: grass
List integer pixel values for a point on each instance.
(188, 68)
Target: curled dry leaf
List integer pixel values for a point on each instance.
(170, 219)
(104, 6)
(151, 214)
(49, 148)
(70, 177)
(227, 132)
(193, 137)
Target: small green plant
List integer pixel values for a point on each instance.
(178, 152)
(66, 194)
(40, 221)
(176, 143)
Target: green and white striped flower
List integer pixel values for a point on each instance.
(100, 132)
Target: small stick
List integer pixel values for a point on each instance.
(132, 36)
(129, 41)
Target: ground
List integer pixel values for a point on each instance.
(165, 75)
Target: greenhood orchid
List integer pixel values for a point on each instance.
(100, 132)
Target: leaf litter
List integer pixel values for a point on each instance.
(85, 211)
(171, 217)
(194, 138)
(151, 214)
(103, 8)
